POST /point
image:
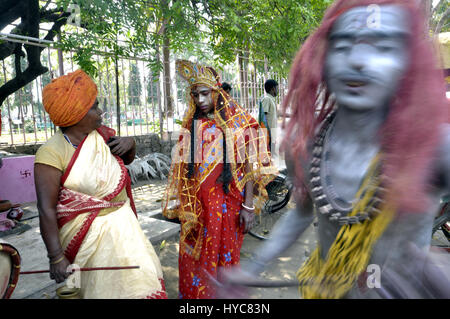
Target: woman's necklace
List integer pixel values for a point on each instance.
(68, 140)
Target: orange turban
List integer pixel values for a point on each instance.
(68, 98)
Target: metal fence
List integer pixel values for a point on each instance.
(131, 96)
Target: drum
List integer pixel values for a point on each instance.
(9, 269)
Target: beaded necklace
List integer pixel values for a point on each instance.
(323, 203)
(68, 140)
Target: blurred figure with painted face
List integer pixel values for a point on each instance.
(369, 149)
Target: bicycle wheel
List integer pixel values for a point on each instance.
(279, 191)
(443, 217)
(441, 223)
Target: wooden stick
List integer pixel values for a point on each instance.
(81, 269)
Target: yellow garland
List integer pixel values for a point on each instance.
(349, 254)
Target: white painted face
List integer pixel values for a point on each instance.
(367, 56)
(202, 96)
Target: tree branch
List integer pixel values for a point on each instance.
(436, 8)
(442, 21)
(46, 5)
(56, 28)
(51, 15)
(30, 74)
(18, 53)
(7, 48)
(35, 68)
(8, 14)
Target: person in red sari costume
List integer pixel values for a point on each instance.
(86, 210)
(213, 182)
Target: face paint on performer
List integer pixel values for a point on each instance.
(202, 96)
(365, 61)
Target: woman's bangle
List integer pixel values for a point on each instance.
(251, 209)
(53, 255)
(57, 261)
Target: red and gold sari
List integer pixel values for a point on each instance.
(211, 236)
(98, 225)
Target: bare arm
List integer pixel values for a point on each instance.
(47, 181)
(286, 231)
(246, 217)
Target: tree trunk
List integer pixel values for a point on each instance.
(158, 95)
(31, 16)
(243, 77)
(254, 88)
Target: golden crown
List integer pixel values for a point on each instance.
(197, 74)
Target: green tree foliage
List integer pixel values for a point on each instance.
(266, 29)
(152, 86)
(119, 28)
(271, 30)
(440, 16)
(30, 13)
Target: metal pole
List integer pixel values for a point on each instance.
(117, 95)
(11, 125)
(60, 57)
(125, 97)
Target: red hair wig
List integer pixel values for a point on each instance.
(410, 134)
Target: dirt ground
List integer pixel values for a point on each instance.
(147, 197)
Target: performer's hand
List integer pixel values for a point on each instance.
(225, 286)
(58, 272)
(121, 145)
(246, 219)
(420, 274)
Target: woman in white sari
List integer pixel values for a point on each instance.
(86, 210)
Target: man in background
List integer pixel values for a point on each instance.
(268, 112)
